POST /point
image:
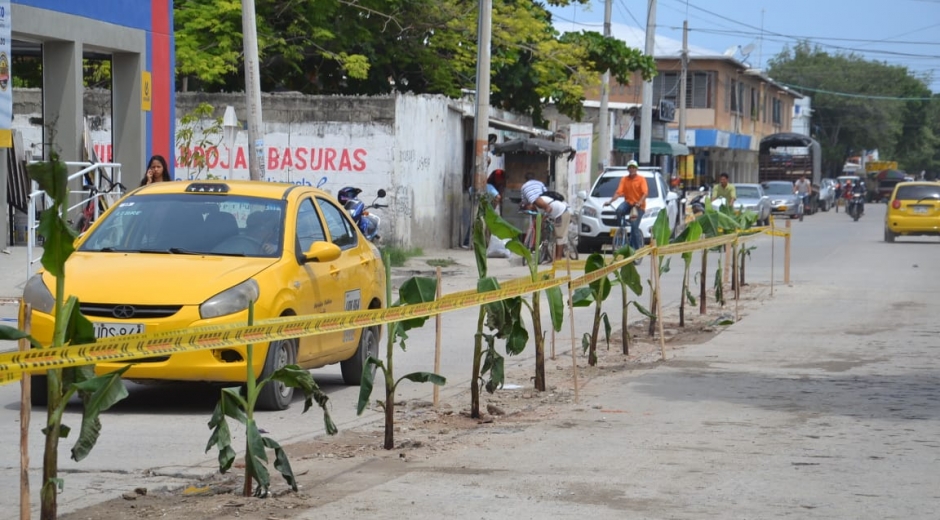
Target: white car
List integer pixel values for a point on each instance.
(598, 221)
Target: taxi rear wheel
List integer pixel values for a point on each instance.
(275, 395)
(352, 367)
(889, 236)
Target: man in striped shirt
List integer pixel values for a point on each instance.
(531, 190)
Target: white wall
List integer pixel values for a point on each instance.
(417, 157)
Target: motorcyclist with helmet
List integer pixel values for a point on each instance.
(860, 189)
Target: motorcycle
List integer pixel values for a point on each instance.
(366, 221)
(697, 203)
(855, 206)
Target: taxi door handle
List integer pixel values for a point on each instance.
(334, 271)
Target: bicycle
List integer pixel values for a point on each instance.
(98, 200)
(621, 234)
(545, 252)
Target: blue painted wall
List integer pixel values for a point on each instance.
(127, 13)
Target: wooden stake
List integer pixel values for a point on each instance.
(773, 240)
(25, 409)
(786, 255)
(574, 356)
(703, 290)
(437, 342)
(724, 272)
(737, 283)
(552, 325)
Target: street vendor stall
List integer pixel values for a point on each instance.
(524, 155)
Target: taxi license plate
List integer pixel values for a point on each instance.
(782, 208)
(613, 231)
(109, 329)
(920, 210)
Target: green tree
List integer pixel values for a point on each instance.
(853, 109)
(370, 47)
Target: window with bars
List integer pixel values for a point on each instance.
(755, 104)
(777, 109)
(736, 93)
(699, 89)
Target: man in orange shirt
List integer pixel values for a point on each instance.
(634, 190)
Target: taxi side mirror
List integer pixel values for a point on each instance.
(322, 252)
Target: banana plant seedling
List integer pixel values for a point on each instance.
(98, 393)
(417, 289)
(242, 409)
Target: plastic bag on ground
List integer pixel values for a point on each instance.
(497, 248)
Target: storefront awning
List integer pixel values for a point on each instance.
(656, 147)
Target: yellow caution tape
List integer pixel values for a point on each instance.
(8, 378)
(685, 247)
(607, 269)
(130, 348)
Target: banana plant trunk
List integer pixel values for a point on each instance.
(50, 461)
(654, 304)
(389, 416)
(734, 271)
(539, 343)
(595, 330)
(475, 376)
(741, 271)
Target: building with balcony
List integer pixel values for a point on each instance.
(730, 107)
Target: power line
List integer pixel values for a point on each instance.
(857, 96)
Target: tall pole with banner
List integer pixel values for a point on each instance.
(6, 77)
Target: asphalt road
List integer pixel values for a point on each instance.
(823, 403)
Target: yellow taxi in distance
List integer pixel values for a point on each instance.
(177, 255)
(913, 209)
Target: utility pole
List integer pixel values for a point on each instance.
(646, 111)
(482, 116)
(603, 122)
(253, 92)
(683, 81)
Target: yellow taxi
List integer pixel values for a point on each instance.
(176, 255)
(913, 209)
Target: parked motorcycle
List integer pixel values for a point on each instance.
(695, 203)
(367, 221)
(856, 206)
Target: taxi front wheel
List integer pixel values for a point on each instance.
(275, 395)
(352, 367)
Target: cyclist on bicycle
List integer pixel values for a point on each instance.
(804, 189)
(634, 190)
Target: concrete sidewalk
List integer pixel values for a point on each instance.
(13, 278)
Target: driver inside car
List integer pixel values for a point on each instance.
(263, 227)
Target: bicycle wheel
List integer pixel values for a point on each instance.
(620, 238)
(571, 248)
(546, 253)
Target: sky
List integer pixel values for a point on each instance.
(899, 32)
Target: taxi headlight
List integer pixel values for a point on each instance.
(38, 295)
(589, 212)
(651, 213)
(230, 301)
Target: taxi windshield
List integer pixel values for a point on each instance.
(191, 224)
